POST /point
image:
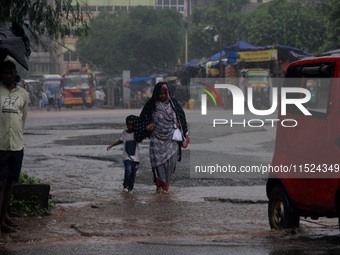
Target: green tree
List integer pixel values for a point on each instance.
(332, 12)
(56, 18)
(214, 27)
(290, 23)
(138, 40)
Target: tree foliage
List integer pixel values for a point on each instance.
(56, 18)
(310, 26)
(210, 26)
(138, 40)
(332, 13)
(290, 23)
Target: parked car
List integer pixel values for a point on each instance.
(310, 151)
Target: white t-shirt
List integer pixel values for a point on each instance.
(98, 95)
(128, 139)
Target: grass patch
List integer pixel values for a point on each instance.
(30, 205)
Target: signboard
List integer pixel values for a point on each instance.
(70, 76)
(257, 56)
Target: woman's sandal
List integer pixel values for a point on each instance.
(12, 224)
(158, 190)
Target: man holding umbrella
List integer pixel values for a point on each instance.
(14, 41)
(13, 112)
(50, 96)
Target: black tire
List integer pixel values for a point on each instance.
(282, 213)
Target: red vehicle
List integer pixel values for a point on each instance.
(74, 85)
(310, 151)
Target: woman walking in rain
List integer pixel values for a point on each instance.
(160, 117)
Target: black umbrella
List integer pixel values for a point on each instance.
(15, 42)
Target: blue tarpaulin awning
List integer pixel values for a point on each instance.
(293, 49)
(139, 79)
(192, 63)
(288, 52)
(196, 62)
(242, 46)
(231, 56)
(218, 56)
(137, 83)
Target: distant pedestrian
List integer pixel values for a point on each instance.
(57, 98)
(131, 154)
(13, 112)
(38, 96)
(83, 98)
(98, 98)
(44, 98)
(32, 96)
(102, 98)
(50, 96)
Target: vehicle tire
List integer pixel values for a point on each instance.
(282, 213)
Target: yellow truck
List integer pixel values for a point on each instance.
(260, 82)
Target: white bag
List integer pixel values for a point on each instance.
(177, 136)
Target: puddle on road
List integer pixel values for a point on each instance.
(149, 217)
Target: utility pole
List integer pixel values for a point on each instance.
(186, 26)
(220, 45)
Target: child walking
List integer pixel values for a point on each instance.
(131, 154)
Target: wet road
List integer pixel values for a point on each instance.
(198, 216)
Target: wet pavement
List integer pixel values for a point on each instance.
(198, 216)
